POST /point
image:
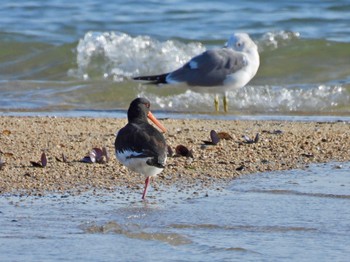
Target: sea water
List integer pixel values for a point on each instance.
(295, 215)
(64, 56)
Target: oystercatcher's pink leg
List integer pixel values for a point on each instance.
(147, 181)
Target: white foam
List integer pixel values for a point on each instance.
(258, 99)
(120, 56)
(273, 40)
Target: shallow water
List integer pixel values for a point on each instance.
(297, 215)
(60, 55)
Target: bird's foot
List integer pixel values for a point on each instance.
(225, 101)
(216, 103)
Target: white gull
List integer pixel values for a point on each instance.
(230, 67)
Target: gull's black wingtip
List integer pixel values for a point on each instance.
(154, 79)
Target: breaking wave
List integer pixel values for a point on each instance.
(120, 56)
(295, 75)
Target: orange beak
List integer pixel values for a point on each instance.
(155, 121)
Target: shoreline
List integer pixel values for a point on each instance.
(282, 145)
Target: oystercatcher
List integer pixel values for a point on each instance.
(140, 146)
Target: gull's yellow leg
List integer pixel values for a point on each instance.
(216, 103)
(225, 101)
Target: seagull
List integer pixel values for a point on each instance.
(140, 146)
(230, 67)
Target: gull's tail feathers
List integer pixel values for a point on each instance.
(154, 79)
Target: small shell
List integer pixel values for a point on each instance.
(8, 154)
(170, 151)
(183, 151)
(214, 137)
(251, 141)
(43, 159)
(240, 168)
(247, 139)
(42, 162)
(92, 156)
(307, 155)
(105, 153)
(277, 132)
(87, 159)
(64, 158)
(36, 164)
(96, 155)
(225, 136)
(2, 163)
(6, 132)
(273, 132)
(256, 139)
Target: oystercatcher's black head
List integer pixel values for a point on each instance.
(139, 109)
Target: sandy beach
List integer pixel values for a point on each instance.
(66, 141)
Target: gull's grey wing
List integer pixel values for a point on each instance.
(209, 68)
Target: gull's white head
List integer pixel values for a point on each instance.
(240, 42)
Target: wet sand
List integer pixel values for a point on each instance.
(281, 146)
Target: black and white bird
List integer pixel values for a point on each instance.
(140, 146)
(227, 68)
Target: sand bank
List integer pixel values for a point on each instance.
(281, 146)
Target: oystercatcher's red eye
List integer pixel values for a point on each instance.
(147, 105)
